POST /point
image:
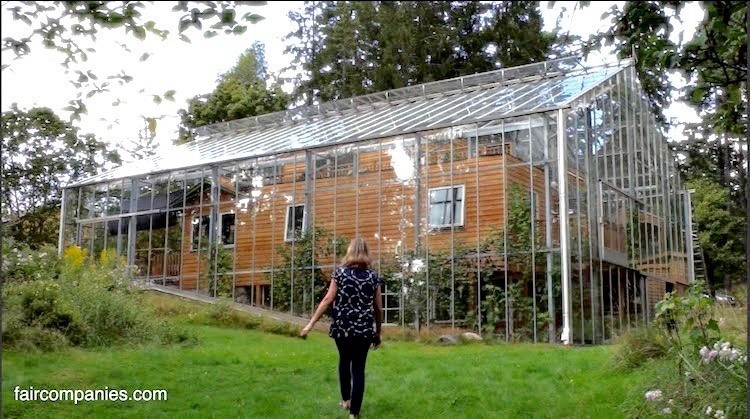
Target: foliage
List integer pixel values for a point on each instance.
(708, 375)
(690, 313)
(298, 280)
(86, 303)
(345, 49)
(146, 144)
(242, 91)
(21, 263)
(218, 260)
(517, 239)
(637, 346)
(66, 26)
(643, 28)
(718, 223)
(41, 154)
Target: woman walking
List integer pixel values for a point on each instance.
(356, 298)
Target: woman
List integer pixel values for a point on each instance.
(355, 293)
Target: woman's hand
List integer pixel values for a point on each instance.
(375, 342)
(305, 330)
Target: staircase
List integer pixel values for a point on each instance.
(699, 263)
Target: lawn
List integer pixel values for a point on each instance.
(249, 373)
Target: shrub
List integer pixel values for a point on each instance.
(88, 303)
(21, 263)
(637, 346)
(705, 374)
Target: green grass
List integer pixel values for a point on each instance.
(249, 373)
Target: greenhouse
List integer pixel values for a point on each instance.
(535, 203)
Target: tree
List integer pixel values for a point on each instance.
(346, 49)
(41, 154)
(64, 26)
(641, 29)
(242, 91)
(719, 222)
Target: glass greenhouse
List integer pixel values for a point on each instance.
(535, 203)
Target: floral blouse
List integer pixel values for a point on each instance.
(353, 308)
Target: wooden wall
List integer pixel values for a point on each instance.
(373, 204)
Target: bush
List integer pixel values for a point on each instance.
(88, 303)
(704, 373)
(637, 346)
(21, 263)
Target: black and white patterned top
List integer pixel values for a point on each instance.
(353, 311)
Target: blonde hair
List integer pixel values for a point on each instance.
(357, 254)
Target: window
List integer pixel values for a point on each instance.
(295, 222)
(226, 227)
(446, 207)
(199, 232)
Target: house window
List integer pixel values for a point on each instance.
(199, 232)
(295, 222)
(446, 207)
(226, 227)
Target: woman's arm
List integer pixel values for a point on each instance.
(378, 310)
(327, 300)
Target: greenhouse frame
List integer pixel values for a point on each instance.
(536, 203)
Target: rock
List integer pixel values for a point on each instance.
(469, 336)
(447, 339)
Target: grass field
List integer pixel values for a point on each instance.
(249, 373)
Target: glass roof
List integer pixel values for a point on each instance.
(481, 97)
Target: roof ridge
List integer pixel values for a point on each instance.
(399, 95)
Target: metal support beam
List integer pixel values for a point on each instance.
(562, 172)
(548, 236)
(61, 234)
(134, 195)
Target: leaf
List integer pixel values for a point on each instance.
(184, 38)
(209, 34)
(252, 17)
(698, 94)
(91, 75)
(139, 33)
(227, 16)
(150, 25)
(169, 95)
(157, 99)
(144, 57)
(90, 94)
(713, 325)
(184, 24)
(239, 29)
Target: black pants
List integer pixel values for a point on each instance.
(352, 359)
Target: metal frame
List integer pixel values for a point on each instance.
(614, 159)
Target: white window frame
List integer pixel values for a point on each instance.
(220, 222)
(286, 222)
(462, 207)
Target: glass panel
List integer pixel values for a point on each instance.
(227, 228)
(114, 199)
(228, 181)
(200, 230)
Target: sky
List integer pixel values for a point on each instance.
(192, 68)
